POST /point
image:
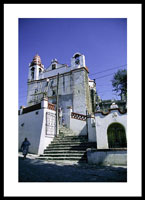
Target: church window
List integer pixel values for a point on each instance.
(53, 93)
(77, 59)
(52, 83)
(36, 90)
(77, 56)
(53, 66)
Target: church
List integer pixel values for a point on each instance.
(61, 120)
(75, 89)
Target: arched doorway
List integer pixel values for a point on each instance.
(116, 136)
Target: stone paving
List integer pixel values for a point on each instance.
(34, 170)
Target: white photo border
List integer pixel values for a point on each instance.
(12, 12)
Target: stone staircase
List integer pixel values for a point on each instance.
(67, 147)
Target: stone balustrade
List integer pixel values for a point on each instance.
(78, 116)
(51, 106)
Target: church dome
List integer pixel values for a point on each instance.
(36, 60)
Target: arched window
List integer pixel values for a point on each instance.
(116, 136)
(77, 59)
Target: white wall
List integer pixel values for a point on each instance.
(102, 123)
(31, 129)
(45, 140)
(34, 129)
(91, 129)
(78, 126)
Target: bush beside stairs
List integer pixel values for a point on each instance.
(67, 147)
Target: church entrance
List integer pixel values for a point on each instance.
(116, 136)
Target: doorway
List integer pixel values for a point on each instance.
(116, 136)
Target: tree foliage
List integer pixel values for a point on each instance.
(119, 82)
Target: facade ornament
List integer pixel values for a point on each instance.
(113, 106)
(114, 115)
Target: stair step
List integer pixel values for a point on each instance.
(67, 146)
(62, 158)
(71, 139)
(63, 155)
(72, 143)
(71, 146)
(64, 151)
(68, 143)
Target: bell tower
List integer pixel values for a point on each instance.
(77, 61)
(35, 68)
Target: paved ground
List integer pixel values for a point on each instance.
(34, 170)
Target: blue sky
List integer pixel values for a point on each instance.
(102, 41)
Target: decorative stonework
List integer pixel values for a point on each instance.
(114, 115)
(50, 123)
(78, 116)
(109, 110)
(51, 106)
(113, 106)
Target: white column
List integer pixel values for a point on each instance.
(36, 72)
(44, 103)
(82, 61)
(91, 129)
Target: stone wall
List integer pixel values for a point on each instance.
(88, 94)
(107, 157)
(79, 92)
(73, 90)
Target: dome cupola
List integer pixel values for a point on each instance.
(36, 61)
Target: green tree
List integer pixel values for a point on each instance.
(119, 82)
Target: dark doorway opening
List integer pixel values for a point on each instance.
(116, 136)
